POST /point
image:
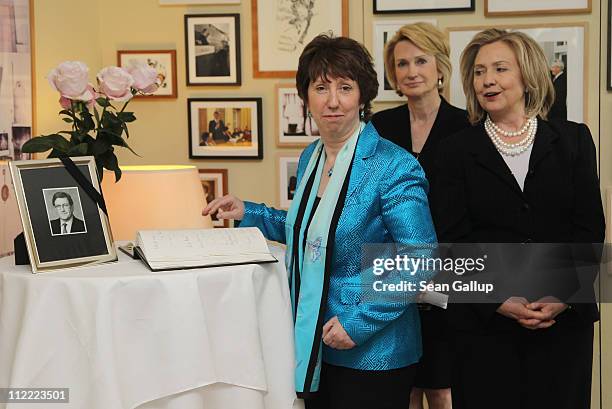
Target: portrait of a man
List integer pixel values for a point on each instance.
(66, 222)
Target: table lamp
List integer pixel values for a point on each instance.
(152, 198)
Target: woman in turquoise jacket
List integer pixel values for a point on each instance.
(355, 346)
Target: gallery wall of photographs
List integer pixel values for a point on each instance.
(233, 125)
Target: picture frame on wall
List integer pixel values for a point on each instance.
(212, 49)
(287, 163)
(282, 28)
(214, 182)
(565, 42)
(163, 61)
(225, 128)
(196, 2)
(382, 32)
(16, 81)
(609, 45)
(63, 226)
(294, 129)
(535, 7)
(421, 6)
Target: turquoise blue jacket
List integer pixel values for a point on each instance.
(386, 202)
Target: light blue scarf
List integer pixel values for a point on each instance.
(309, 262)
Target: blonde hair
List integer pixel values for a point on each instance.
(429, 39)
(539, 91)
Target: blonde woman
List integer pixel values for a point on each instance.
(417, 63)
(517, 178)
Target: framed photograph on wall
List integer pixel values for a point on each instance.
(196, 2)
(287, 163)
(16, 82)
(214, 183)
(609, 45)
(421, 6)
(225, 128)
(63, 226)
(282, 28)
(212, 49)
(294, 128)
(532, 7)
(163, 61)
(561, 42)
(382, 31)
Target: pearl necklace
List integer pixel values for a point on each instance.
(512, 149)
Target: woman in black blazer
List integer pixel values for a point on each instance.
(417, 62)
(516, 178)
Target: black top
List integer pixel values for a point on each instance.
(394, 124)
(477, 199)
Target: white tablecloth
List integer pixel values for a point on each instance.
(120, 336)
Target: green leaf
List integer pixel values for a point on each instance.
(66, 112)
(88, 123)
(126, 116)
(78, 150)
(125, 129)
(110, 162)
(100, 146)
(103, 102)
(67, 120)
(46, 142)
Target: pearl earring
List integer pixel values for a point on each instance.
(440, 83)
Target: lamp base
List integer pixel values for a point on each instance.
(21, 251)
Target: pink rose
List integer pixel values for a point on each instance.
(145, 77)
(67, 104)
(70, 79)
(116, 83)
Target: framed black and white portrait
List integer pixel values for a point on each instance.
(225, 128)
(214, 183)
(287, 164)
(535, 7)
(212, 49)
(421, 6)
(282, 28)
(63, 226)
(294, 127)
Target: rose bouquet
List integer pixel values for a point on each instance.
(97, 126)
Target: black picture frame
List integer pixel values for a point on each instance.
(218, 61)
(49, 197)
(377, 10)
(238, 135)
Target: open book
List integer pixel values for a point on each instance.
(179, 249)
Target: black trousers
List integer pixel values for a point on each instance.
(346, 388)
(526, 369)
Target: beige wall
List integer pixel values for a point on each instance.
(93, 30)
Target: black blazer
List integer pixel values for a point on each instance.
(476, 198)
(77, 226)
(394, 124)
(559, 107)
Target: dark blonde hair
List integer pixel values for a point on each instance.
(429, 39)
(539, 91)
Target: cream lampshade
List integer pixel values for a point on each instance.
(154, 197)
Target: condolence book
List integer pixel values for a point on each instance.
(180, 249)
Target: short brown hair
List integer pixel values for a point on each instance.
(339, 57)
(540, 93)
(429, 39)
